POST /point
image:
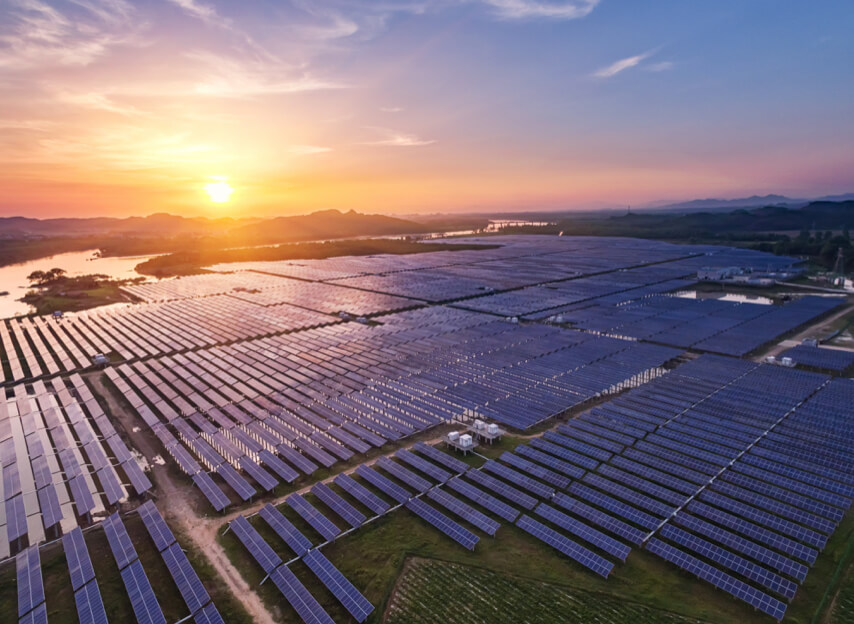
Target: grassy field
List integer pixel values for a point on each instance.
(374, 556)
(435, 591)
(60, 598)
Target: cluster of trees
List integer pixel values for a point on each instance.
(821, 247)
(44, 278)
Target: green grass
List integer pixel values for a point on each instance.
(843, 608)
(486, 597)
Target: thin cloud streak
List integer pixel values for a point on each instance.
(622, 65)
(527, 9)
(399, 139)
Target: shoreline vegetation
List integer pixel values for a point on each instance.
(53, 291)
(192, 262)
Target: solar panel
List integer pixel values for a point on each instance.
(407, 476)
(90, 605)
(615, 506)
(564, 453)
(587, 533)
(728, 560)
(50, 507)
(345, 510)
(77, 556)
(739, 589)
(237, 483)
(209, 615)
(544, 474)
(455, 531)
(305, 465)
(502, 489)
(36, 616)
(30, 585)
(83, 500)
(297, 542)
(753, 550)
(385, 485)
(138, 479)
(483, 499)
(110, 482)
(142, 599)
(299, 597)
(255, 544)
(337, 583)
(120, 542)
(554, 463)
(464, 511)
(600, 518)
(585, 557)
(312, 515)
(361, 494)
(448, 461)
(428, 468)
(211, 490)
(188, 582)
(261, 476)
(156, 526)
(285, 472)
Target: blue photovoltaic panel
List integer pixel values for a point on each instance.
(292, 536)
(571, 430)
(310, 514)
(611, 504)
(552, 462)
(564, 453)
(600, 518)
(337, 583)
(211, 490)
(448, 461)
(255, 544)
(739, 589)
(577, 445)
(156, 526)
(299, 597)
(112, 486)
(502, 489)
(188, 582)
(361, 494)
(345, 510)
(90, 605)
(137, 477)
(455, 531)
(544, 474)
(285, 472)
(83, 500)
(209, 615)
(774, 560)
(629, 495)
(237, 483)
(261, 476)
(296, 458)
(77, 556)
(36, 616)
(784, 544)
(428, 468)
(585, 557)
(120, 542)
(585, 532)
(385, 485)
(726, 559)
(407, 476)
(49, 505)
(643, 485)
(29, 573)
(464, 511)
(518, 479)
(142, 599)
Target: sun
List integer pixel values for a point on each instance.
(219, 191)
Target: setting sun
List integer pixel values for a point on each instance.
(219, 191)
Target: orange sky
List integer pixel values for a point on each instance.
(109, 107)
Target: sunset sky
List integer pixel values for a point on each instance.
(113, 107)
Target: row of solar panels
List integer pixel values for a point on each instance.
(32, 606)
(61, 460)
(822, 358)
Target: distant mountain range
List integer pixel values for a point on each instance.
(755, 201)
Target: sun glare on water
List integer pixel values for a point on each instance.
(219, 190)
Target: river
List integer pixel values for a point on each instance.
(13, 278)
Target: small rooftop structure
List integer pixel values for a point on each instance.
(99, 359)
(484, 432)
(460, 442)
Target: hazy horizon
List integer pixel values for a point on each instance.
(113, 108)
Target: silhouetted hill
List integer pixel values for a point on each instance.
(156, 224)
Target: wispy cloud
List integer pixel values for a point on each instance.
(660, 67)
(622, 65)
(552, 9)
(306, 150)
(393, 138)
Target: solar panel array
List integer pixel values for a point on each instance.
(822, 358)
(61, 461)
